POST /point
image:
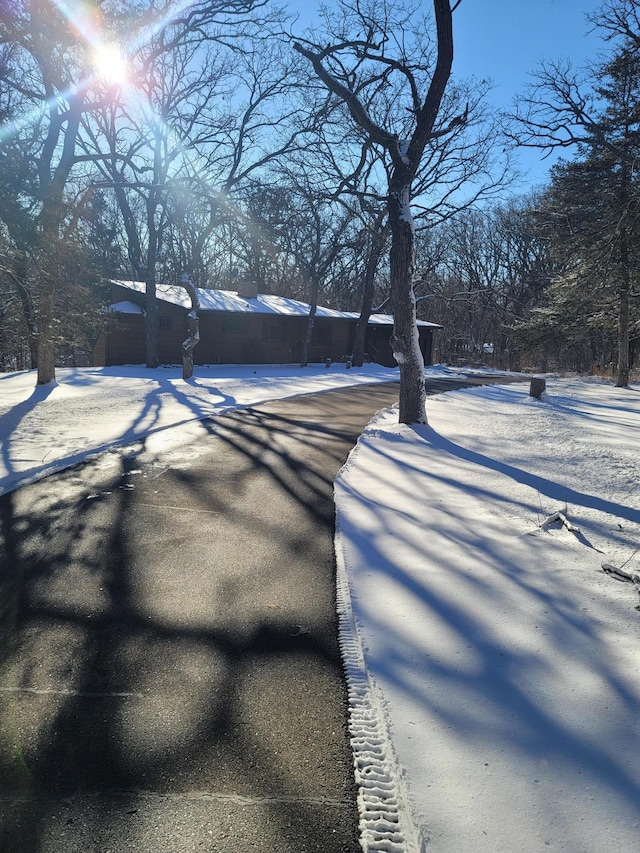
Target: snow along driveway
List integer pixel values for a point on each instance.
(504, 661)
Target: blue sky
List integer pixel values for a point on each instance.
(503, 40)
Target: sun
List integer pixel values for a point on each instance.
(110, 64)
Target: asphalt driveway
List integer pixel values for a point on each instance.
(171, 677)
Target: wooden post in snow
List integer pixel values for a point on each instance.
(537, 387)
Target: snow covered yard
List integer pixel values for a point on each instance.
(505, 662)
(89, 410)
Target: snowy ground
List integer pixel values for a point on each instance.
(45, 429)
(494, 666)
(503, 661)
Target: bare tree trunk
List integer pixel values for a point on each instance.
(361, 329)
(46, 343)
(19, 277)
(49, 273)
(304, 358)
(151, 316)
(405, 341)
(53, 182)
(193, 328)
(153, 252)
(622, 380)
(193, 331)
(378, 241)
(151, 324)
(626, 173)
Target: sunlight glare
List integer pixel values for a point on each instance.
(110, 64)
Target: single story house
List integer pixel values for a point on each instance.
(243, 327)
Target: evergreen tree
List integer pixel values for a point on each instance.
(593, 201)
(590, 213)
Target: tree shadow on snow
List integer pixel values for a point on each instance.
(172, 647)
(476, 680)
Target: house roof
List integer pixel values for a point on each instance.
(264, 303)
(125, 307)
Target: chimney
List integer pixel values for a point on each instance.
(247, 288)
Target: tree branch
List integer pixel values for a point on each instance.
(353, 103)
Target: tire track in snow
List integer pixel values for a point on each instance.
(385, 824)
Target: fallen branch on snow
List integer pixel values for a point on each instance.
(621, 574)
(562, 519)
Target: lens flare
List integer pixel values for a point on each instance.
(110, 64)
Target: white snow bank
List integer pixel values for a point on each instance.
(506, 661)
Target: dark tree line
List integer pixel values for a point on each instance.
(590, 209)
(481, 275)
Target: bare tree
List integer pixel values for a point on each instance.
(138, 144)
(46, 83)
(50, 82)
(618, 19)
(359, 71)
(201, 120)
(311, 229)
(457, 170)
(481, 274)
(193, 327)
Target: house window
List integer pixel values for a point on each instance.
(232, 324)
(272, 331)
(322, 335)
(165, 322)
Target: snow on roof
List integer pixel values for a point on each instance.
(264, 303)
(228, 300)
(386, 319)
(125, 307)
